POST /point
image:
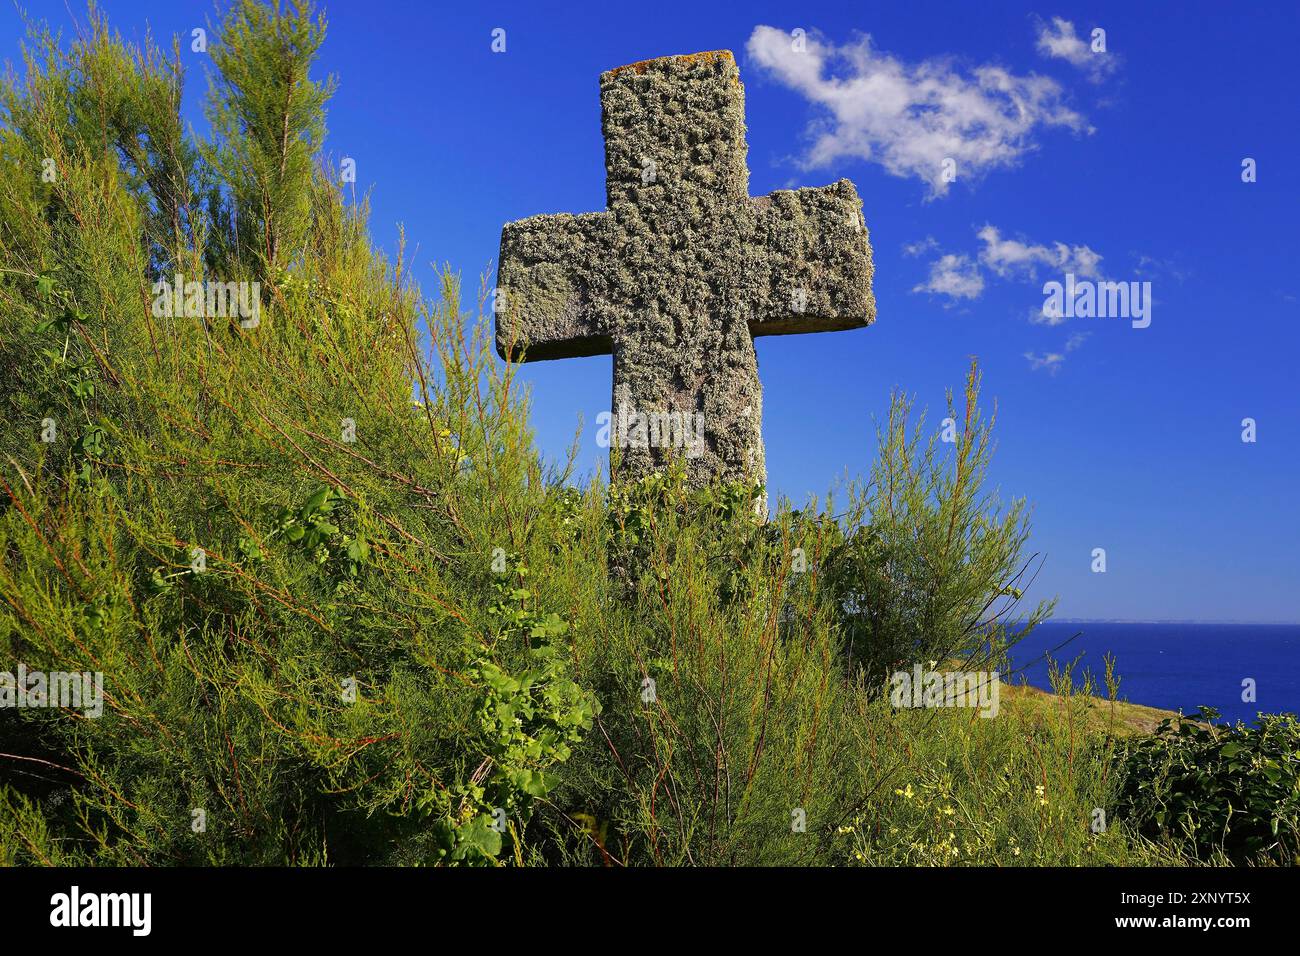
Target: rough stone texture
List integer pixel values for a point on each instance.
(683, 270)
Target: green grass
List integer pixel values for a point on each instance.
(1098, 715)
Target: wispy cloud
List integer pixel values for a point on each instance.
(911, 117)
(1014, 257)
(959, 276)
(1057, 40)
(1046, 315)
(954, 276)
(920, 247)
(1051, 361)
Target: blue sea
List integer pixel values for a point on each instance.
(1175, 666)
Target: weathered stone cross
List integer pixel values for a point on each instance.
(683, 270)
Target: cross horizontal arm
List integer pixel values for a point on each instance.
(812, 262)
(544, 294)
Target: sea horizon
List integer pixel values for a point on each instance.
(1167, 620)
(1176, 665)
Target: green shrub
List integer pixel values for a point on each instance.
(1221, 792)
(927, 565)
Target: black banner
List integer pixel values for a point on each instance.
(302, 905)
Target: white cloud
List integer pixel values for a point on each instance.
(1052, 361)
(1048, 360)
(920, 247)
(1046, 314)
(1058, 40)
(954, 276)
(1012, 257)
(961, 276)
(910, 117)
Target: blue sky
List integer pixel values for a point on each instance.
(1122, 166)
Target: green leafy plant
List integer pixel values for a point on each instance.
(1222, 791)
(529, 720)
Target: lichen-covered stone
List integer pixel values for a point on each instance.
(684, 268)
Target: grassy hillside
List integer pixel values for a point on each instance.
(1101, 716)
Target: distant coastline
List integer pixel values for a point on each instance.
(1170, 620)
